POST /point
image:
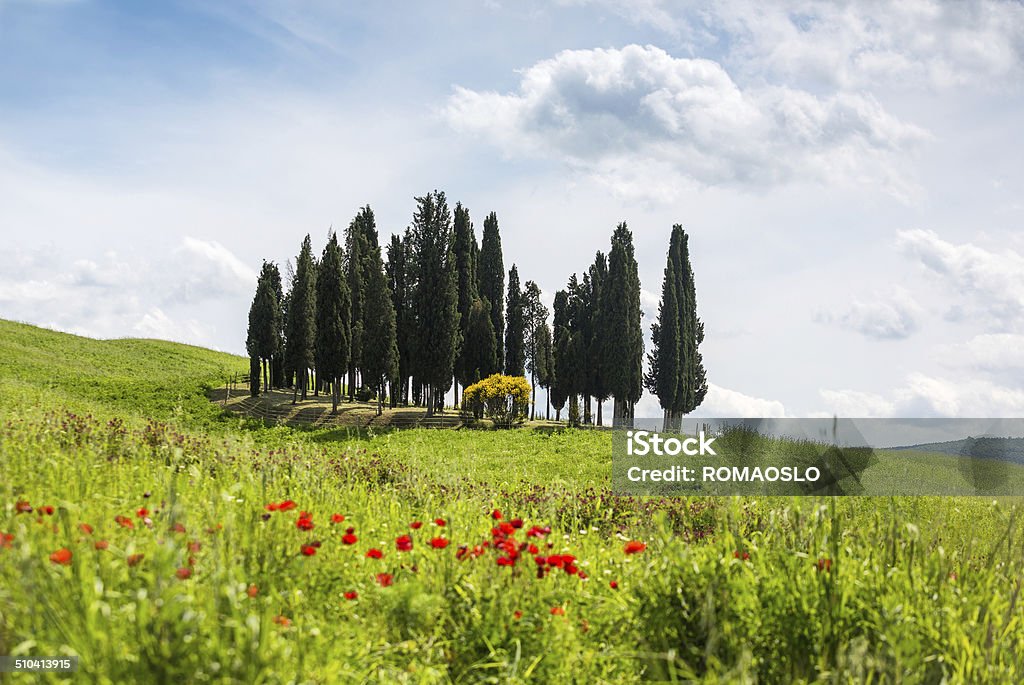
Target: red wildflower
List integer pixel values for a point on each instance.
(385, 579)
(634, 547)
(62, 556)
(505, 561)
(374, 554)
(85, 528)
(439, 522)
(557, 611)
(252, 591)
(23, 507)
(540, 561)
(308, 550)
(48, 510)
(507, 528)
(101, 545)
(304, 524)
(142, 513)
(6, 539)
(134, 559)
(461, 552)
(195, 546)
(183, 573)
(824, 564)
(351, 595)
(349, 539)
(439, 543)
(282, 621)
(516, 523)
(496, 514)
(271, 507)
(416, 525)
(124, 521)
(286, 505)
(178, 528)
(614, 585)
(403, 543)
(532, 549)
(517, 614)
(337, 518)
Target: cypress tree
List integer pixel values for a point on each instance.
(596, 386)
(545, 364)
(515, 348)
(356, 246)
(262, 339)
(693, 386)
(465, 267)
(535, 315)
(380, 354)
(622, 338)
(333, 320)
(436, 297)
(560, 388)
(301, 323)
(277, 359)
(665, 360)
(400, 281)
(480, 344)
(491, 275)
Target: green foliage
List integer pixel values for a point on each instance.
(622, 338)
(401, 279)
(503, 399)
(480, 349)
(333, 315)
(491, 273)
(465, 266)
(380, 359)
(301, 328)
(515, 327)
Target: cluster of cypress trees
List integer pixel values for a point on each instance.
(437, 312)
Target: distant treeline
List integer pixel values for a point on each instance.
(433, 309)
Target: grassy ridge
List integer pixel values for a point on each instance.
(723, 590)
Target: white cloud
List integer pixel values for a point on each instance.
(994, 280)
(889, 317)
(620, 112)
(724, 403)
(922, 396)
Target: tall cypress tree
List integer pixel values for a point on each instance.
(480, 345)
(333, 320)
(623, 343)
(465, 267)
(535, 315)
(356, 246)
(559, 388)
(545, 364)
(277, 360)
(665, 360)
(380, 353)
(515, 347)
(436, 297)
(401, 277)
(301, 323)
(491, 274)
(596, 385)
(262, 338)
(693, 386)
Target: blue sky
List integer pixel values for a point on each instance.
(848, 172)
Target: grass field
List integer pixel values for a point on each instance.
(137, 535)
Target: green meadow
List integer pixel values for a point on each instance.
(163, 540)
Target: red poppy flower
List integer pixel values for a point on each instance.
(85, 528)
(349, 539)
(62, 556)
(195, 546)
(134, 559)
(286, 505)
(517, 614)
(540, 561)
(505, 561)
(824, 564)
(6, 539)
(496, 514)
(439, 522)
(614, 585)
(101, 545)
(350, 530)
(416, 525)
(557, 611)
(282, 621)
(516, 523)
(439, 543)
(124, 522)
(183, 573)
(304, 524)
(308, 550)
(634, 547)
(252, 591)
(403, 543)
(351, 595)
(271, 507)
(48, 510)
(23, 507)
(374, 554)
(142, 513)
(337, 518)
(385, 579)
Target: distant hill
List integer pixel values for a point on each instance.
(1005, 449)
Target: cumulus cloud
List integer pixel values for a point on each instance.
(923, 396)
(892, 317)
(617, 112)
(994, 281)
(906, 43)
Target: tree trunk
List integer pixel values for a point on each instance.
(547, 409)
(586, 411)
(600, 405)
(335, 391)
(621, 414)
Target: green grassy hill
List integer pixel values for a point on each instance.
(162, 540)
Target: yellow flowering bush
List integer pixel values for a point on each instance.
(503, 399)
